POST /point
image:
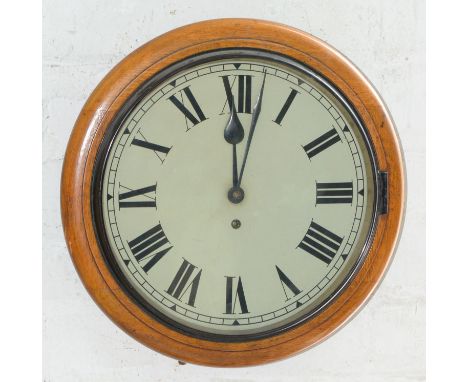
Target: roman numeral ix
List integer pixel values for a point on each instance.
(321, 243)
(128, 199)
(183, 280)
(235, 294)
(150, 247)
(244, 93)
(334, 193)
(321, 143)
(180, 105)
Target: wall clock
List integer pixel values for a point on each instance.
(232, 192)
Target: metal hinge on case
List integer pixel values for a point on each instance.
(382, 189)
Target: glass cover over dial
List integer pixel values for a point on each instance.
(235, 194)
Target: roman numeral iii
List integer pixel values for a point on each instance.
(243, 101)
(334, 193)
(129, 198)
(321, 143)
(235, 293)
(150, 247)
(321, 243)
(186, 93)
(183, 281)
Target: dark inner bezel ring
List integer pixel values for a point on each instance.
(98, 179)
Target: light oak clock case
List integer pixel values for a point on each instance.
(105, 103)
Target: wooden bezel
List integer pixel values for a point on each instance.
(101, 108)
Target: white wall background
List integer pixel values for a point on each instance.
(84, 39)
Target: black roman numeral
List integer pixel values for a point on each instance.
(321, 143)
(159, 150)
(285, 281)
(179, 104)
(150, 146)
(124, 197)
(321, 243)
(334, 193)
(286, 106)
(180, 284)
(244, 93)
(235, 294)
(146, 246)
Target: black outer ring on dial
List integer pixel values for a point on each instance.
(104, 151)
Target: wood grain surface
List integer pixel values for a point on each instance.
(99, 111)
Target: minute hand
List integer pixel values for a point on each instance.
(255, 114)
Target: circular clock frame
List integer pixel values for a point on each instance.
(105, 103)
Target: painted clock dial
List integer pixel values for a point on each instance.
(235, 194)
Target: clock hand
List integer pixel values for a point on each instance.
(234, 134)
(256, 112)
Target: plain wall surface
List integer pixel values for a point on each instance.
(84, 39)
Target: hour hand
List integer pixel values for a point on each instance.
(234, 134)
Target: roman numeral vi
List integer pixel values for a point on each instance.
(235, 294)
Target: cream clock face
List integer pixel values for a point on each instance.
(236, 195)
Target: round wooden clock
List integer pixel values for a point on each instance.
(232, 192)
